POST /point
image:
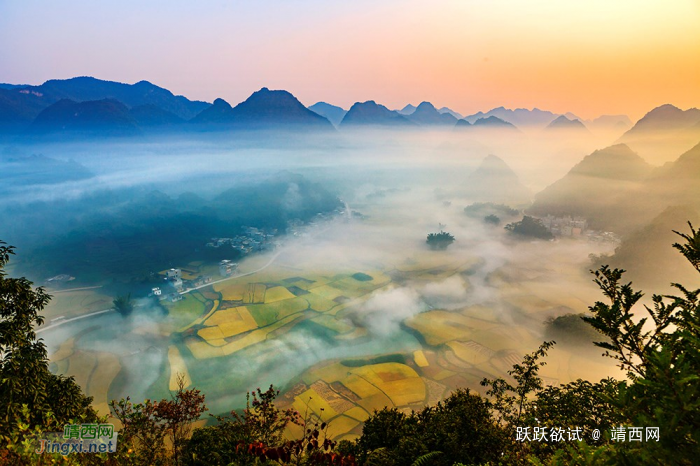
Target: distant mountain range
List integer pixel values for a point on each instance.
(518, 117)
(29, 100)
(491, 122)
(92, 106)
(536, 118)
(145, 107)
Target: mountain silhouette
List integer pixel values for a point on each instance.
(427, 115)
(407, 110)
(370, 113)
(493, 122)
(563, 122)
(457, 115)
(264, 109)
(664, 132)
(663, 119)
(332, 113)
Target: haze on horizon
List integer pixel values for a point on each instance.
(589, 58)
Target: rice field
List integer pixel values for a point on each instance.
(177, 368)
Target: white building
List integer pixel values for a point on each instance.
(227, 268)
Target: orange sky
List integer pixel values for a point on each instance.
(587, 57)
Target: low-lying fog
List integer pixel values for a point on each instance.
(404, 185)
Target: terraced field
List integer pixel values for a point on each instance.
(251, 322)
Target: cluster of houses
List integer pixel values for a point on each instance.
(227, 268)
(175, 285)
(565, 226)
(577, 227)
(253, 239)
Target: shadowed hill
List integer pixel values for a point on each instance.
(495, 181)
(662, 119)
(103, 117)
(407, 110)
(675, 183)
(647, 255)
(457, 115)
(493, 122)
(594, 185)
(564, 123)
(664, 132)
(20, 105)
(18, 109)
(372, 114)
(617, 190)
(332, 113)
(132, 95)
(152, 115)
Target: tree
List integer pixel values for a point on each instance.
(492, 219)
(261, 422)
(255, 437)
(145, 426)
(25, 379)
(528, 404)
(461, 428)
(440, 241)
(123, 305)
(662, 360)
(529, 227)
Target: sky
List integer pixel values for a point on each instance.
(589, 57)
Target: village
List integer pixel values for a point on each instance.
(179, 280)
(577, 227)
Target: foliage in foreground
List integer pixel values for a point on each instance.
(31, 397)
